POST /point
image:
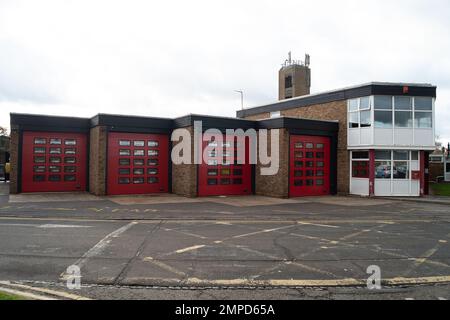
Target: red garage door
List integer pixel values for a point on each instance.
(309, 173)
(137, 163)
(229, 178)
(54, 162)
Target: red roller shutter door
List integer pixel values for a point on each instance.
(309, 172)
(137, 163)
(229, 178)
(54, 162)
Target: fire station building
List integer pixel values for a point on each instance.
(371, 140)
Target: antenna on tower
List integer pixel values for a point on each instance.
(307, 60)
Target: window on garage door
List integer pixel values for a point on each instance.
(137, 163)
(309, 166)
(54, 162)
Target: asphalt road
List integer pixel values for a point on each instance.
(295, 250)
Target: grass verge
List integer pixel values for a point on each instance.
(441, 189)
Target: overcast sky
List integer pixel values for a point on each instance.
(171, 58)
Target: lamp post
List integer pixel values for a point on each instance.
(242, 98)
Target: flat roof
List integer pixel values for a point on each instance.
(366, 89)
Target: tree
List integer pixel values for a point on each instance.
(3, 131)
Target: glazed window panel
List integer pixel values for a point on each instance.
(383, 102)
(152, 162)
(365, 119)
(139, 143)
(225, 181)
(125, 143)
(55, 150)
(299, 145)
(298, 173)
(423, 103)
(237, 181)
(39, 150)
(423, 119)
(123, 180)
(139, 171)
(320, 164)
(320, 155)
(353, 121)
(213, 162)
(401, 170)
(320, 146)
(55, 141)
(299, 154)
(124, 162)
(55, 160)
(138, 162)
(125, 152)
(153, 144)
(70, 178)
(298, 183)
(54, 169)
(383, 119)
(403, 103)
(70, 142)
(298, 164)
(152, 171)
(319, 182)
(70, 151)
(38, 178)
(212, 182)
(310, 155)
(70, 169)
(70, 160)
(237, 172)
(309, 183)
(40, 141)
(124, 171)
(138, 180)
(360, 155)
(39, 159)
(54, 178)
(403, 119)
(139, 153)
(152, 180)
(213, 172)
(309, 145)
(39, 169)
(383, 170)
(360, 169)
(225, 172)
(153, 153)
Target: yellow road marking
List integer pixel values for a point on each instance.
(164, 266)
(45, 290)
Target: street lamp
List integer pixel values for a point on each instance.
(242, 98)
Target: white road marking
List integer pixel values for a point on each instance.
(190, 248)
(442, 299)
(262, 231)
(44, 226)
(100, 246)
(317, 224)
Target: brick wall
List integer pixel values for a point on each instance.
(97, 160)
(275, 185)
(184, 176)
(14, 158)
(336, 110)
